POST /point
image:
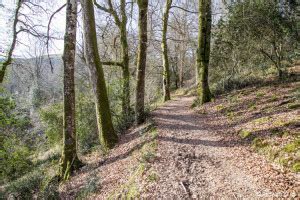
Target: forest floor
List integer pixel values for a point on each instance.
(245, 144)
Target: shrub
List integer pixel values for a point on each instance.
(13, 151)
(26, 186)
(15, 160)
(52, 117)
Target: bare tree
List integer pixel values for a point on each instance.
(8, 60)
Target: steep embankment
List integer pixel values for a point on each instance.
(245, 144)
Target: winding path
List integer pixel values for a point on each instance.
(199, 158)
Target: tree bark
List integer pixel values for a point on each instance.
(125, 60)
(141, 62)
(69, 159)
(108, 137)
(203, 51)
(164, 46)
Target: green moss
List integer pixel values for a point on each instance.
(132, 192)
(260, 94)
(293, 106)
(296, 166)
(273, 98)
(259, 143)
(262, 120)
(220, 107)
(284, 161)
(230, 115)
(244, 133)
(251, 105)
(292, 147)
(153, 177)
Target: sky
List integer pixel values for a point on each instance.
(28, 44)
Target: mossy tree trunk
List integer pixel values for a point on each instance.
(69, 159)
(121, 23)
(203, 51)
(108, 137)
(141, 62)
(125, 61)
(164, 46)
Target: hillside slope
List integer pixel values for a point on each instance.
(245, 144)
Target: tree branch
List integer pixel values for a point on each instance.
(48, 31)
(186, 10)
(112, 63)
(13, 45)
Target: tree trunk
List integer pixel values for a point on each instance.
(141, 62)
(164, 46)
(108, 137)
(69, 159)
(182, 63)
(125, 60)
(203, 51)
(121, 24)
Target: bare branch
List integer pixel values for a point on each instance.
(13, 45)
(48, 31)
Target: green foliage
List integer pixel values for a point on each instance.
(244, 133)
(153, 177)
(294, 106)
(255, 41)
(259, 143)
(296, 167)
(14, 154)
(39, 97)
(292, 147)
(11, 119)
(15, 160)
(86, 123)
(26, 186)
(52, 117)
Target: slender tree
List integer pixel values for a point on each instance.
(69, 159)
(141, 62)
(8, 60)
(203, 51)
(164, 46)
(121, 22)
(108, 137)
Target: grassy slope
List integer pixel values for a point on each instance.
(266, 117)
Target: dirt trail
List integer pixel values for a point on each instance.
(199, 158)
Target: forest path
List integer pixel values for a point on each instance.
(197, 157)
